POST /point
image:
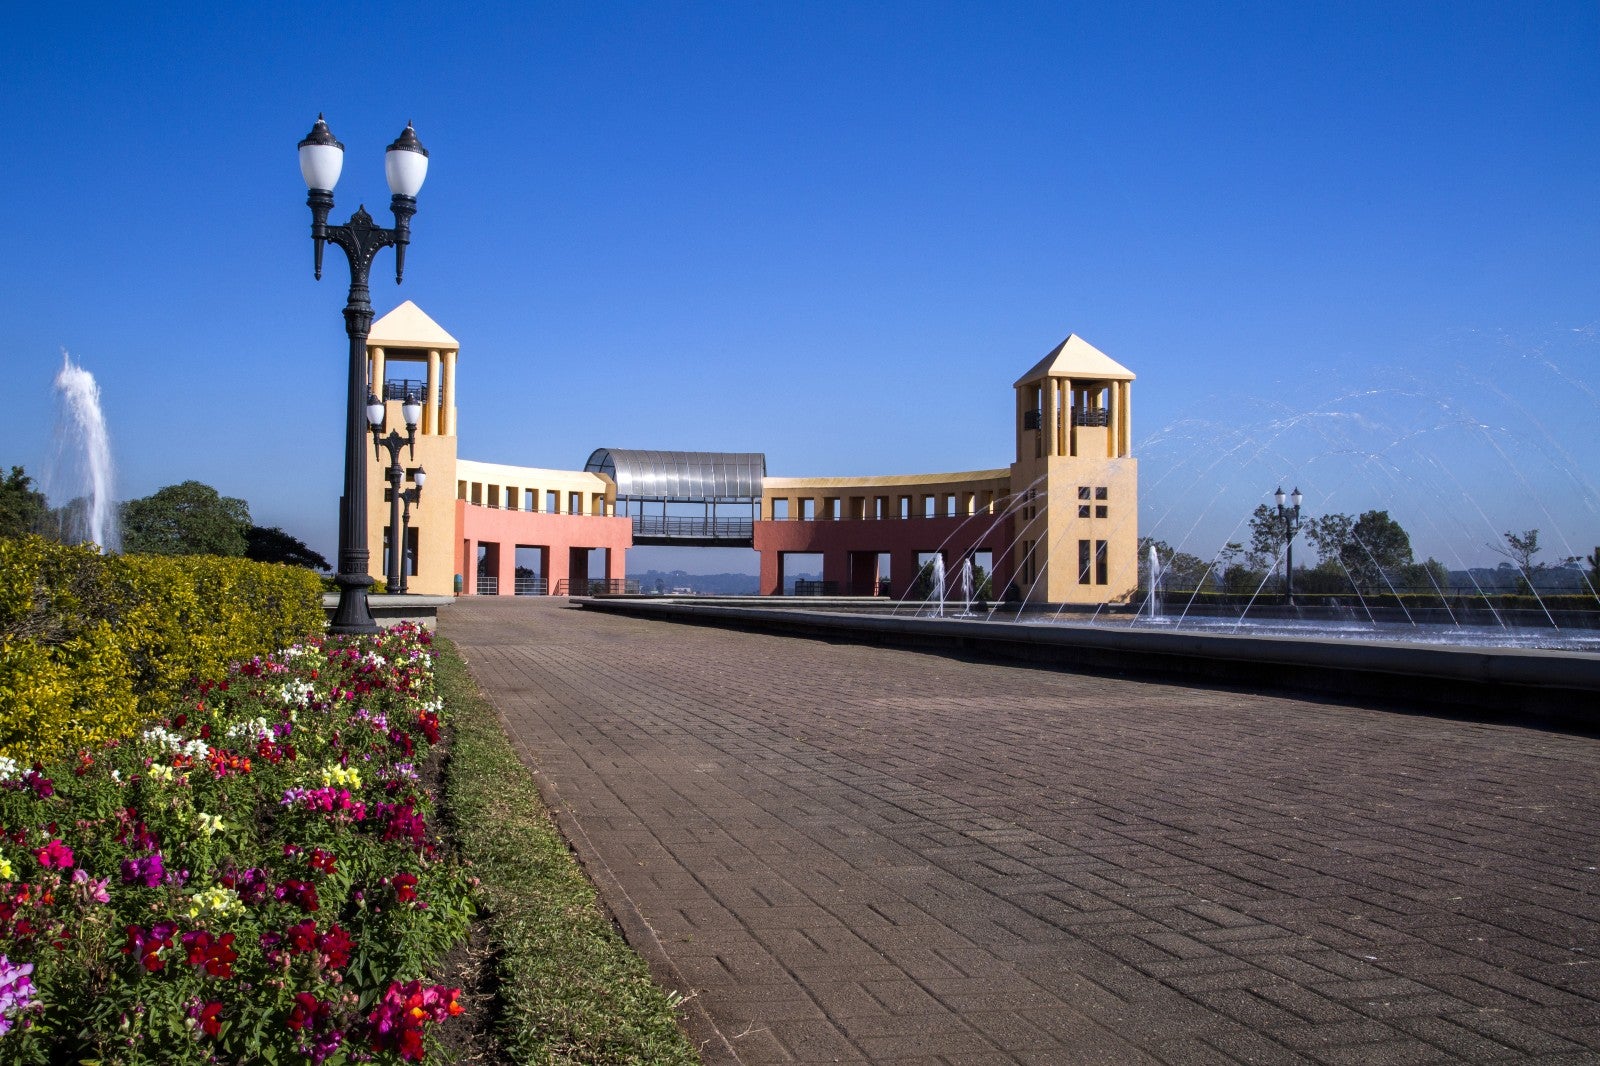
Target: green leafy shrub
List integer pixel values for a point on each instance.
(91, 645)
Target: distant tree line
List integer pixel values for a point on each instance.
(190, 518)
(1366, 552)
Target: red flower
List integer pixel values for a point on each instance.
(147, 945)
(302, 894)
(216, 955)
(309, 1012)
(211, 1018)
(405, 887)
(322, 860)
(335, 946)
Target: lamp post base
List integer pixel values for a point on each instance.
(353, 617)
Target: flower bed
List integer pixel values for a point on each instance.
(249, 880)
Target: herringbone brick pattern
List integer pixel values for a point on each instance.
(858, 854)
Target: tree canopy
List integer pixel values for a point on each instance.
(187, 519)
(21, 505)
(1373, 550)
(272, 545)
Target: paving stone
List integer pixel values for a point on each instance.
(860, 854)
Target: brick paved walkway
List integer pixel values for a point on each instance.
(859, 854)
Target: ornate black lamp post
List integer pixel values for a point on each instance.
(411, 496)
(411, 410)
(1290, 517)
(405, 164)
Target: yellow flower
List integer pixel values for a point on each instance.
(210, 824)
(217, 900)
(158, 772)
(6, 872)
(341, 777)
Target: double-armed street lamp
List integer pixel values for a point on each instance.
(394, 443)
(411, 496)
(1290, 517)
(405, 164)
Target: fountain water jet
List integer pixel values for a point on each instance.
(83, 455)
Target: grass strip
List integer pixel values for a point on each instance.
(570, 989)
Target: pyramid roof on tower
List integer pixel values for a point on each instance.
(1076, 358)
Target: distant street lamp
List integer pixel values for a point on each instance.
(1290, 517)
(411, 496)
(405, 164)
(411, 411)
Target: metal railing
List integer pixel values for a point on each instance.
(405, 390)
(488, 585)
(532, 586)
(802, 587)
(1094, 416)
(687, 527)
(597, 586)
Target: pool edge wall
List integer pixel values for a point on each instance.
(1547, 688)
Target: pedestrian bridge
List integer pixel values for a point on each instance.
(687, 499)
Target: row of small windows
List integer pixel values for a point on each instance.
(1100, 493)
(933, 505)
(517, 499)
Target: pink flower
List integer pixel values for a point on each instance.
(91, 890)
(54, 855)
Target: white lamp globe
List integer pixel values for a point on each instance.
(405, 164)
(321, 158)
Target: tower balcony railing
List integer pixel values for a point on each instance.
(1092, 416)
(405, 389)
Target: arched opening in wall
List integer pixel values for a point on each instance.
(662, 570)
(800, 574)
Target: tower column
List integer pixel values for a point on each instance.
(375, 380)
(1047, 415)
(430, 408)
(1125, 421)
(449, 401)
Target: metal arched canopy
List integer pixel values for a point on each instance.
(657, 475)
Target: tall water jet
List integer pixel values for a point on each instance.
(83, 459)
(1155, 583)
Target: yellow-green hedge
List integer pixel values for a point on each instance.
(91, 645)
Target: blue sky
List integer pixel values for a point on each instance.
(1351, 246)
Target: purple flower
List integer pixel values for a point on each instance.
(16, 991)
(148, 871)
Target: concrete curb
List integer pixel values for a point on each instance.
(1552, 688)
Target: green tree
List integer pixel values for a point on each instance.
(187, 519)
(22, 507)
(1381, 546)
(1372, 550)
(1267, 537)
(273, 545)
(1522, 549)
(1179, 570)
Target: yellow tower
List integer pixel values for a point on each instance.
(1076, 481)
(408, 352)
